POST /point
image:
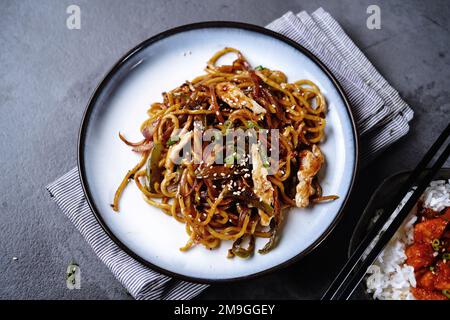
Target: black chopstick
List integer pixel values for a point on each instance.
(355, 268)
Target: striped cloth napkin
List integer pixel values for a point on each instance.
(380, 113)
(381, 116)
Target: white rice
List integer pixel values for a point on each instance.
(390, 278)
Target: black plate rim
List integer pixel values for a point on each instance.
(165, 34)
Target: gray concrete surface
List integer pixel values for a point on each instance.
(48, 72)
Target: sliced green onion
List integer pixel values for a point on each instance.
(251, 198)
(446, 293)
(259, 68)
(435, 244)
(252, 124)
(261, 205)
(241, 252)
(71, 269)
(230, 159)
(431, 268)
(172, 140)
(271, 243)
(227, 126)
(152, 168)
(264, 158)
(71, 279)
(446, 256)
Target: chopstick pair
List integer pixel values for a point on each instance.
(356, 267)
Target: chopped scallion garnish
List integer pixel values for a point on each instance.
(172, 140)
(230, 159)
(252, 124)
(435, 244)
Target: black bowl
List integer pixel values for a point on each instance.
(379, 200)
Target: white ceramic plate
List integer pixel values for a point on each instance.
(120, 103)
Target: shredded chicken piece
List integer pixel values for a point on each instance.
(310, 164)
(235, 98)
(261, 185)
